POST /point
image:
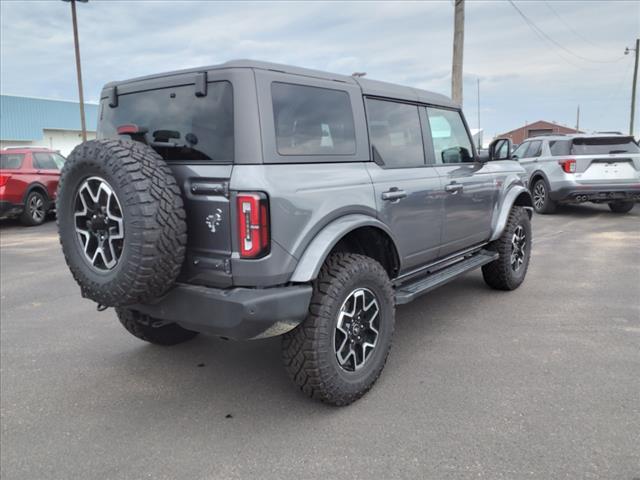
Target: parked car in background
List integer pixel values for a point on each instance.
(599, 168)
(28, 183)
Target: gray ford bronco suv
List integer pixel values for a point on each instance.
(249, 199)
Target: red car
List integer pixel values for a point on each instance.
(28, 182)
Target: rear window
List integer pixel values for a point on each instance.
(175, 122)
(604, 145)
(11, 160)
(312, 120)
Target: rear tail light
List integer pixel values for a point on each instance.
(253, 224)
(569, 165)
(4, 179)
(127, 128)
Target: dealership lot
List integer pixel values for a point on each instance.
(542, 382)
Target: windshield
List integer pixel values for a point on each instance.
(604, 145)
(11, 160)
(175, 122)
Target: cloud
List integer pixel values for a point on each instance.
(522, 77)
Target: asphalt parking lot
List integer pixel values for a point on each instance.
(540, 383)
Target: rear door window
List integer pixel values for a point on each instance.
(312, 120)
(175, 122)
(11, 161)
(535, 149)
(395, 133)
(604, 145)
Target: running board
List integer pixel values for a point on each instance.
(409, 291)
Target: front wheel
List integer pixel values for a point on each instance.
(338, 352)
(507, 272)
(621, 207)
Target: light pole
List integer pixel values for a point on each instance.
(635, 81)
(78, 68)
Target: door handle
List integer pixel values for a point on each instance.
(394, 194)
(453, 188)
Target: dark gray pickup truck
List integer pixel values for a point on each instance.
(249, 199)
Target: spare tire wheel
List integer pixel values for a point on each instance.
(121, 221)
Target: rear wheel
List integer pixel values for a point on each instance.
(541, 201)
(514, 249)
(338, 352)
(153, 330)
(621, 207)
(35, 209)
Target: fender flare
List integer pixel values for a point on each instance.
(517, 195)
(538, 173)
(33, 186)
(319, 248)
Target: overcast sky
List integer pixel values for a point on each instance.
(523, 77)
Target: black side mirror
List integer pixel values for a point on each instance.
(500, 149)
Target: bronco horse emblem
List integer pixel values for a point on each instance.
(213, 221)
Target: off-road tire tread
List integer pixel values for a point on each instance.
(154, 200)
(140, 326)
(303, 347)
(497, 274)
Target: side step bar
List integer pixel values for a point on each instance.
(409, 291)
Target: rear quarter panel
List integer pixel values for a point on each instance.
(303, 199)
(18, 184)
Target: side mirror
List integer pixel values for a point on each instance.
(500, 149)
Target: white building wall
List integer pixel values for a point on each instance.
(62, 140)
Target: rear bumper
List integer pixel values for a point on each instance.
(570, 192)
(236, 313)
(9, 209)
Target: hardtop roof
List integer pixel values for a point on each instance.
(368, 87)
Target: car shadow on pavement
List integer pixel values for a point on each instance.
(239, 377)
(589, 210)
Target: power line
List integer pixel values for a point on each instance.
(542, 34)
(568, 25)
(614, 95)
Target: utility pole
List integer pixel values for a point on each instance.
(635, 82)
(78, 68)
(578, 119)
(458, 46)
(479, 129)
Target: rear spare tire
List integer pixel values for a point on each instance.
(121, 221)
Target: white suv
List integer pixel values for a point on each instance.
(582, 168)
